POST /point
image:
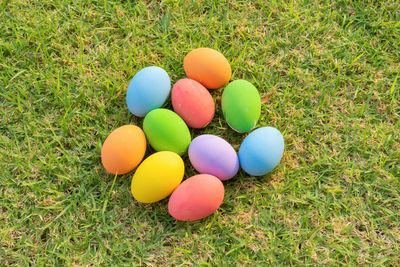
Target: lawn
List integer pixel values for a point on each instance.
(329, 72)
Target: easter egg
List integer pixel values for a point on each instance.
(213, 155)
(193, 103)
(157, 176)
(166, 131)
(207, 66)
(241, 105)
(148, 90)
(197, 197)
(123, 149)
(261, 151)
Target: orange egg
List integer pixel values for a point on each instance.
(123, 149)
(207, 66)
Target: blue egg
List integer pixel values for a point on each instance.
(261, 151)
(148, 90)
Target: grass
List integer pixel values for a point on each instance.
(332, 68)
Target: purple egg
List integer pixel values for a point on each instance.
(210, 154)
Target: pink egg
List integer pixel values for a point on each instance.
(196, 198)
(193, 103)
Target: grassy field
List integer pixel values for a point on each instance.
(331, 69)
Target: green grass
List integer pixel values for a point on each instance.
(333, 68)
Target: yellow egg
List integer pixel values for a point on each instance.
(157, 176)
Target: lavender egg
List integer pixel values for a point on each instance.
(210, 154)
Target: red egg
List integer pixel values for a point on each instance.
(193, 103)
(196, 198)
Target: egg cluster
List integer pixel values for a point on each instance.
(161, 174)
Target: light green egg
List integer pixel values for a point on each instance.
(241, 105)
(166, 131)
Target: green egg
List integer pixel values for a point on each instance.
(166, 131)
(241, 105)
